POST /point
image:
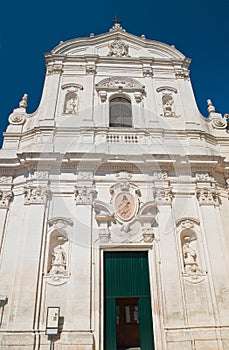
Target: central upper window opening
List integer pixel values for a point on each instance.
(120, 113)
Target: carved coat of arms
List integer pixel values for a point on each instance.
(118, 48)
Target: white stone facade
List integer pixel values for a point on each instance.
(62, 170)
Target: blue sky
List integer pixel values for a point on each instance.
(198, 28)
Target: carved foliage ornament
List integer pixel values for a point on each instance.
(163, 196)
(161, 176)
(85, 195)
(6, 179)
(208, 196)
(5, 198)
(36, 195)
(204, 177)
(125, 83)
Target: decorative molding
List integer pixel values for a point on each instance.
(36, 195)
(17, 118)
(138, 97)
(123, 218)
(104, 235)
(60, 222)
(55, 68)
(91, 69)
(85, 195)
(120, 83)
(147, 72)
(85, 175)
(118, 48)
(208, 196)
(187, 222)
(72, 87)
(103, 96)
(204, 177)
(40, 175)
(182, 73)
(163, 196)
(148, 235)
(167, 89)
(160, 176)
(5, 198)
(219, 123)
(6, 180)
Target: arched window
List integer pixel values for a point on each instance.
(120, 113)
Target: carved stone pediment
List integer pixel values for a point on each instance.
(120, 83)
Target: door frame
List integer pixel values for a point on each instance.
(154, 279)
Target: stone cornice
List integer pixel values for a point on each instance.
(64, 47)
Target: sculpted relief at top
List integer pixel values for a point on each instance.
(118, 48)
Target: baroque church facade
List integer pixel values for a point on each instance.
(114, 205)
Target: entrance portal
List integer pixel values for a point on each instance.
(128, 316)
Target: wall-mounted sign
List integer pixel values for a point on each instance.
(52, 321)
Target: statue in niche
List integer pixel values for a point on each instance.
(71, 103)
(58, 264)
(190, 256)
(168, 102)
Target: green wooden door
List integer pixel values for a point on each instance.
(126, 274)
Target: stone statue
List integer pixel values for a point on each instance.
(71, 104)
(168, 105)
(189, 255)
(58, 264)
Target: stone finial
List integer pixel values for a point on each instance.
(211, 107)
(24, 101)
(117, 28)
